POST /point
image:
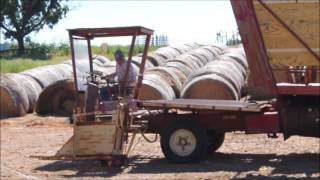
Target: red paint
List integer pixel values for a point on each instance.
(262, 123)
(260, 69)
(299, 90)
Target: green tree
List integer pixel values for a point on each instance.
(19, 18)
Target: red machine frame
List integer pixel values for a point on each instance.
(89, 33)
(291, 110)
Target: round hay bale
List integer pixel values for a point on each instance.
(104, 70)
(155, 59)
(102, 59)
(187, 61)
(31, 87)
(137, 60)
(239, 57)
(209, 86)
(194, 59)
(180, 74)
(204, 52)
(228, 71)
(170, 77)
(44, 75)
(181, 66)
(167, 52)
(154, 87)
(243, 71)
(213, 50)
(58, 98)
(65, 70)
(221, 47)
(83, 68)
(13, 98)
(200, 57)
(183, 48)
(236, 68)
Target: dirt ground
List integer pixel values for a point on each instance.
(240, 157)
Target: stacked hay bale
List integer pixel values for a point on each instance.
(14, 99)
(59, 97)
(222, 79)
(161, 55)
(187, 71)
(166, 82)
(31, 87)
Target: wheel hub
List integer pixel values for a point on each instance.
(182, 142)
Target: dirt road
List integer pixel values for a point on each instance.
(241, 156)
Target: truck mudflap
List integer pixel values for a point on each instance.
(268, 122)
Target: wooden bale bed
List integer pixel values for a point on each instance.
(227, 115)
(190, 128)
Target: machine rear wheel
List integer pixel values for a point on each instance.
(184, 142)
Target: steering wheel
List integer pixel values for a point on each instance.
(94, 77)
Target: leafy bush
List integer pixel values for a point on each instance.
(40, 51)
(62, 49)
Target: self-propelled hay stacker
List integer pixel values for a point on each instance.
(189, 127)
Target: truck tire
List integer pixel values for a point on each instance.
(184, 142)
(215, 140)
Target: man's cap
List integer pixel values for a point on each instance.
(119, 54)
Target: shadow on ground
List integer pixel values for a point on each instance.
(281, 164)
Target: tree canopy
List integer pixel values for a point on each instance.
(19, 18)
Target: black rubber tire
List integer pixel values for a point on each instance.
(198, 132)
(215, 140)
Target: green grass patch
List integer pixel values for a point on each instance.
(16, 65)
(60, 54)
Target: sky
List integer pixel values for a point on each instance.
(181, 21)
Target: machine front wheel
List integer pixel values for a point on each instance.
(184, 142)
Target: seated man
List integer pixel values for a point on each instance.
(121, 67)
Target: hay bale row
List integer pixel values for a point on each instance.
(223, 78)
(174, 72)
(44, 75)
(161, 55)
(32, 89)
